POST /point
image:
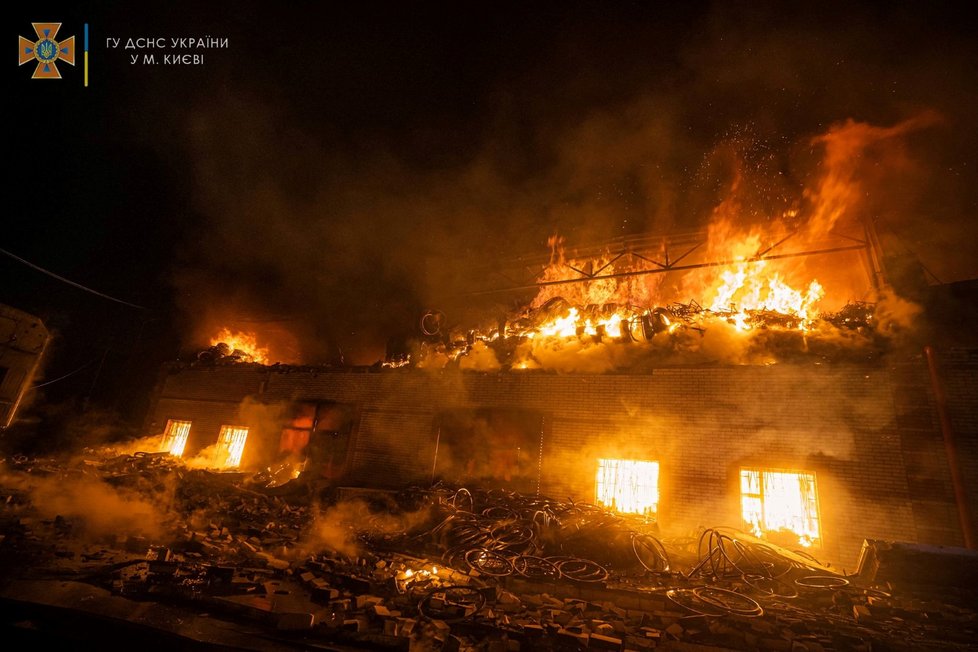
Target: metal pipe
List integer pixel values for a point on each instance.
(957, 482)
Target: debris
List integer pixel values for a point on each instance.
(495, 569)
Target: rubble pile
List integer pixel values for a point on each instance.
(447, 568)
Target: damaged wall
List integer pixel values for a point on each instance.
(865, 431)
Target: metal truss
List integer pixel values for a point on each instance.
(645, 255)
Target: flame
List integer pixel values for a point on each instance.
(175, 437)
(565, 326)
(242, 344)
(628, 486)
(743, 276)
(780, 503)
(745, 287)
(231, 444)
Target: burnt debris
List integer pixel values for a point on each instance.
(440, 568)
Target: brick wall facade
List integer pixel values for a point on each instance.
(867, 432)
(959, 373)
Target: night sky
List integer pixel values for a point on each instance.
(329, 172)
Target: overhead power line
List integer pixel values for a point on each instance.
(67, 375)
(69, 281)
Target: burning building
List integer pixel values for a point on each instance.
(808, 435)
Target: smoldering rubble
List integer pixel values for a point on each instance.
(429, 568)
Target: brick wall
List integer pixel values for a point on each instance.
(959, 374)
(863, 431)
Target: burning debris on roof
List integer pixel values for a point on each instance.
(565, 337)
(229, 347)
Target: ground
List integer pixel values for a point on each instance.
(96, 549)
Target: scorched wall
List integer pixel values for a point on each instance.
(870, 434)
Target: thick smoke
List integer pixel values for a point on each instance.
(95, 508)
(600, 126)
(337, 528)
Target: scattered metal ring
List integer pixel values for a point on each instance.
(582, 570)
(763, 584)
(651, 545)
(726, 599)
(822, 582)
(536, 567)
(488, 562)
(686, 599)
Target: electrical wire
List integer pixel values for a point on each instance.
(69, 281)
(67, 375)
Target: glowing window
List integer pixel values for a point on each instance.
(629, 486)
(175, 437)
(231, 443)
(780, 503)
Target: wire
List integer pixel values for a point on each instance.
(51, 382)
(70, 282)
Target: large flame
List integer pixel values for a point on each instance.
(242, 344)
(747, 287)
(743, 291)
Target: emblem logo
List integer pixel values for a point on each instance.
(47, 51)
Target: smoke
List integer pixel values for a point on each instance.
(210, 457)
(896, 316)
(346, 211)
(337, 527)
(479, 358)
(95, 509)
(840, 188)
(147, 444)
(570, 355)
(264, 423)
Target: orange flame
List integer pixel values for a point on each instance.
(746, 287)
(775, 501)
(242, 344)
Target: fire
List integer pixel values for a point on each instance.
(755, 288)
(175, 437)
(628, 486)
(564, 326)
(242, 344)
(780, 503)
(231, 444)
(746, 287)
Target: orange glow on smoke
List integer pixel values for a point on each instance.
(242, 344)
(769, 276)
